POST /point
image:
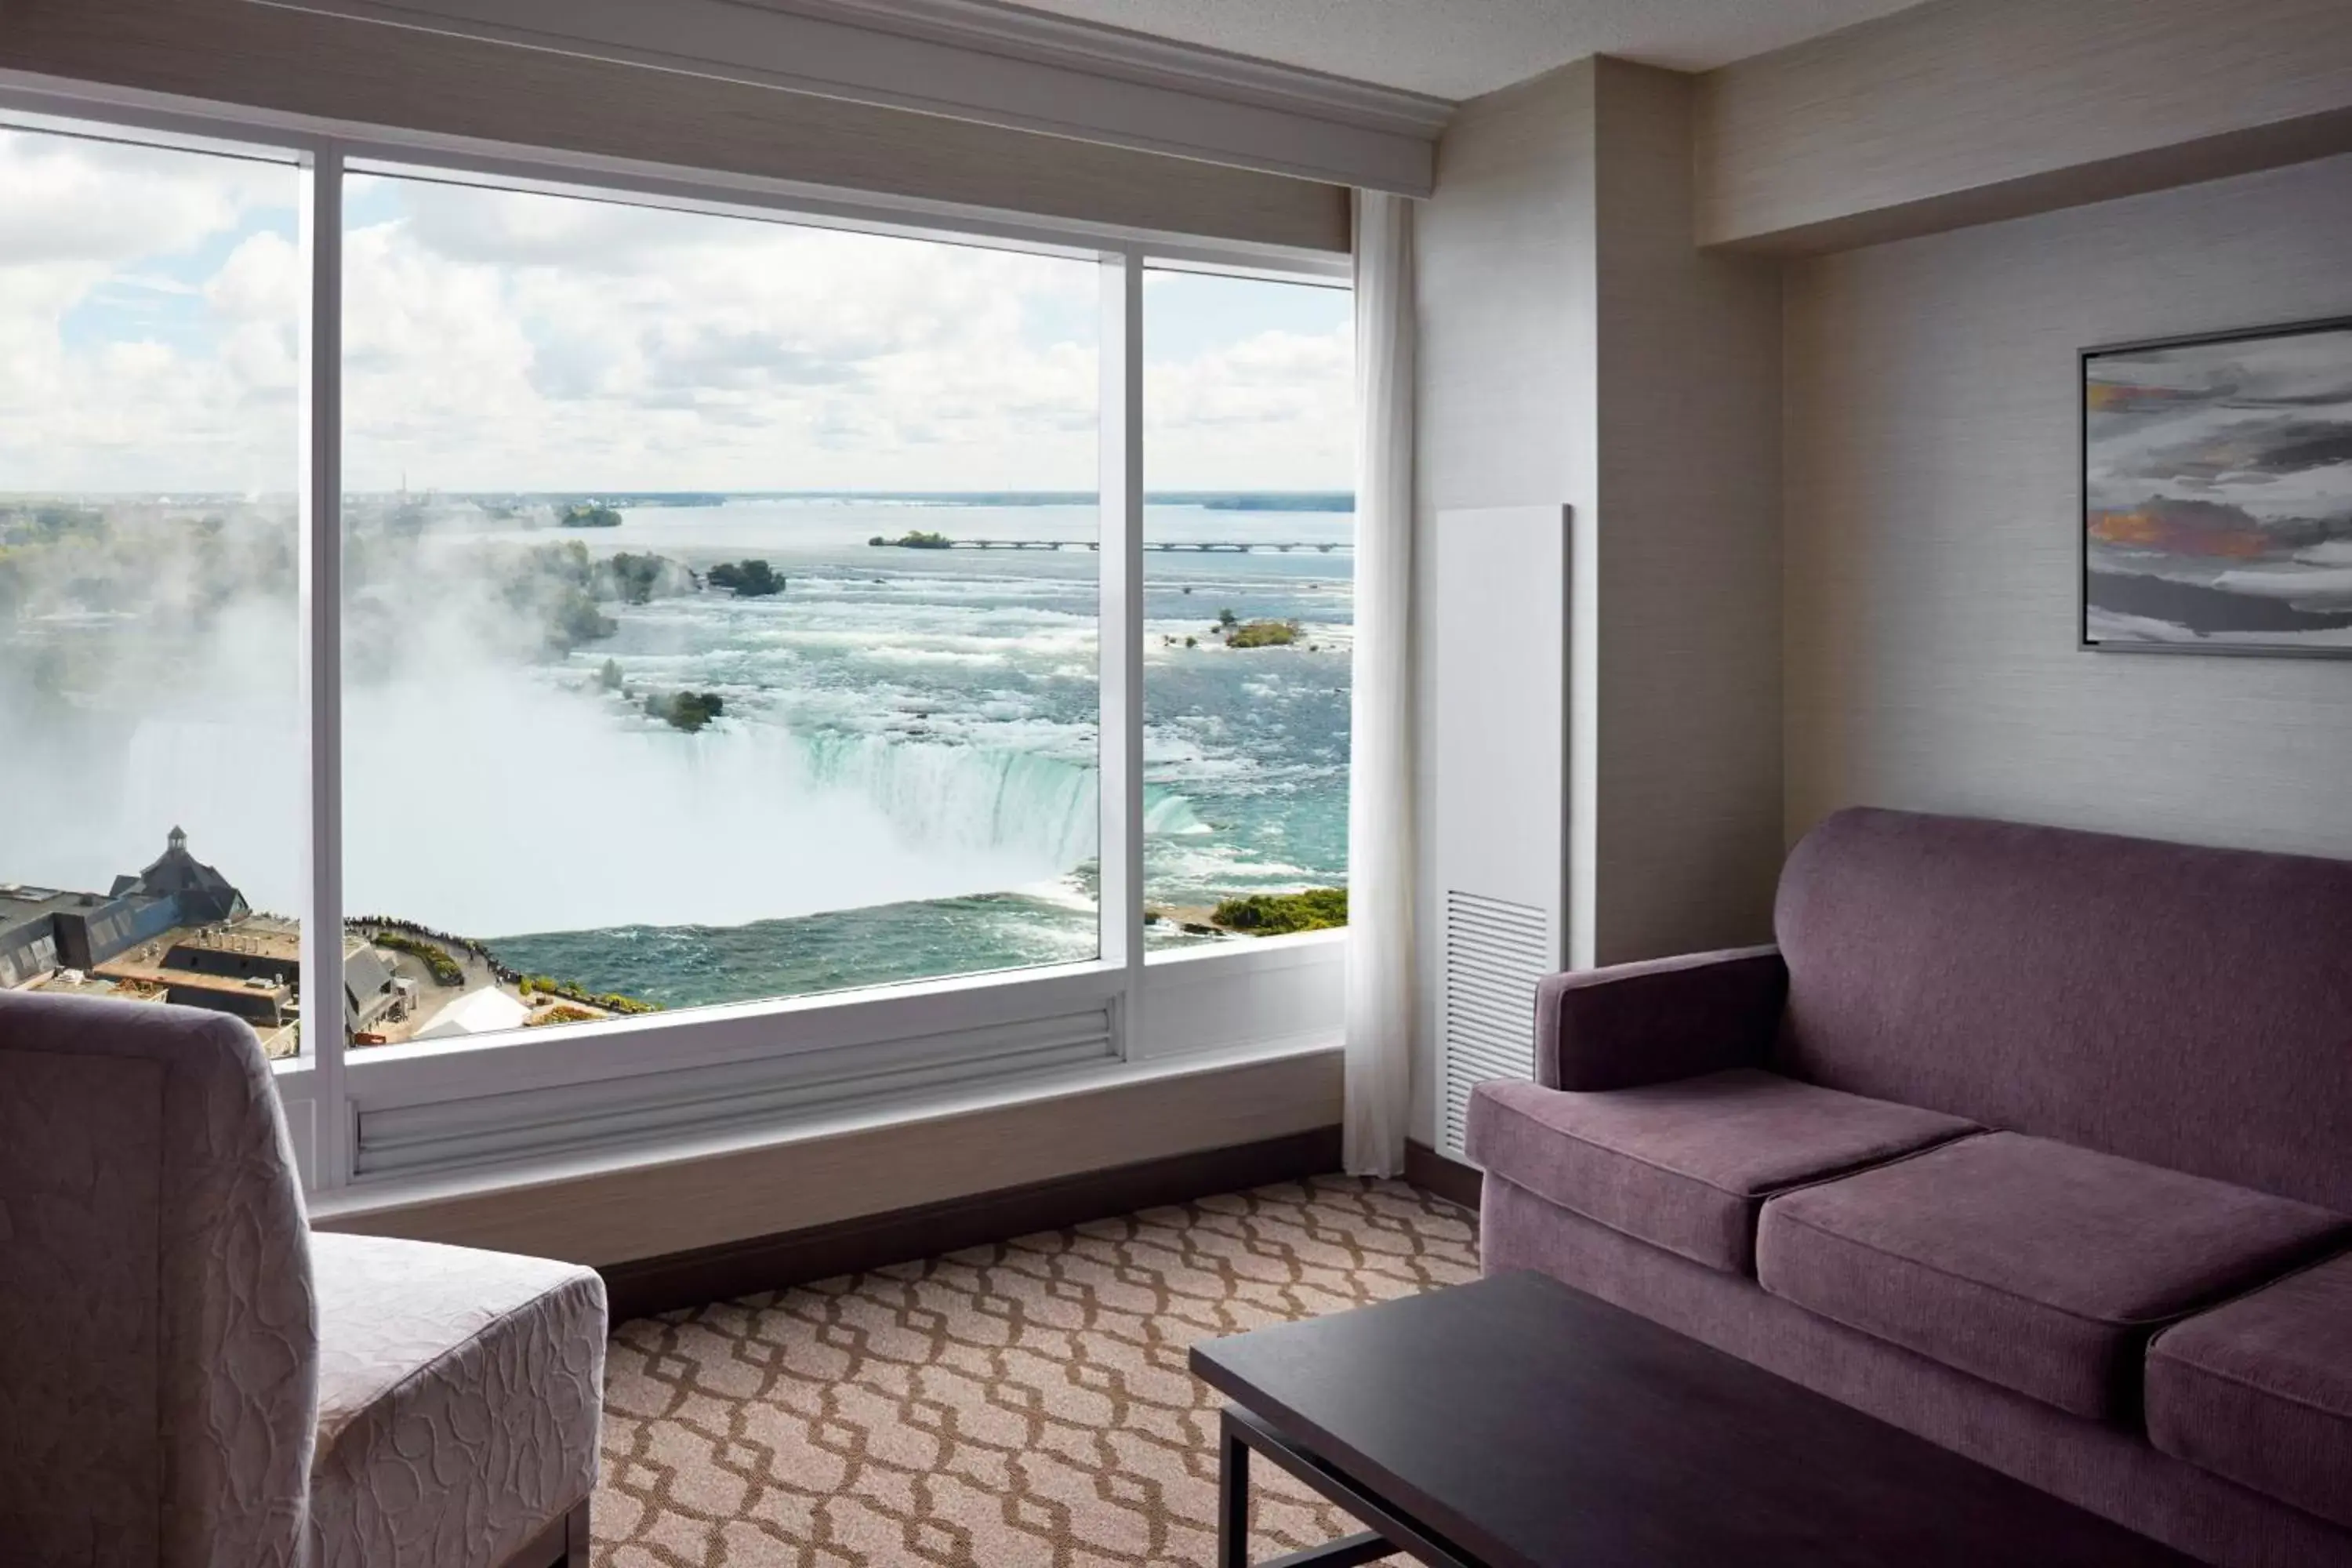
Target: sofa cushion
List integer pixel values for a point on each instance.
(458, 1398)
(2172, 1004)
(2035, 1264)
(2261, 1390)
(1683, 1166)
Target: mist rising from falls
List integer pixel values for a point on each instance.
(497, 805)
(579, 818)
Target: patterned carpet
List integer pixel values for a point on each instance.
(1020, 1406)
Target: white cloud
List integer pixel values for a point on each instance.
(260, 281)
(503, 341)
(117, 372)
(74, 201)
(149, 340)
(1272, 411)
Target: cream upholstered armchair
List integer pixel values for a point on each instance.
(189, 1376)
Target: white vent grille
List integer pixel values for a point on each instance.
(486, 1128)
(1496, 951)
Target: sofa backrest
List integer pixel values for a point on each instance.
(158, 1352)
(2184, 1007)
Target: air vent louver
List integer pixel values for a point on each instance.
(1496, 951)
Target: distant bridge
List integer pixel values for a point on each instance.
(1203, 547)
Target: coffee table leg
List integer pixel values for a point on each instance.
(1233, 1496)
(1233, 1516)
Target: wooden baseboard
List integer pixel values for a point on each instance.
(692, 1279)
(1449, 1178)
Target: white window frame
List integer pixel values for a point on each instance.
(366, 1126)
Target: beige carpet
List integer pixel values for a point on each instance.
(1021, 1405)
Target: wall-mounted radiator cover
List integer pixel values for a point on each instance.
(1499, 726)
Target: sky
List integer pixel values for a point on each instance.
(149, 341)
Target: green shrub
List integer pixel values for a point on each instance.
(565, 990)
(1279, 914)
(445, 970)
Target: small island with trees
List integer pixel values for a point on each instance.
(913, 539)
(588, 514)
(1263, 634)
(1239, 633)
(686, 711)
(747, 579)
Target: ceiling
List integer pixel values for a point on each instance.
(1460, 48)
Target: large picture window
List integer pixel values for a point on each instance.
(1249, 539)
(719, 607)
(150, 743)
(457, 597)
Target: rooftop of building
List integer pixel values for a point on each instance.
(256, 936)
(19, 901)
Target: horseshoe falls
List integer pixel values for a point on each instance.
(898, 780)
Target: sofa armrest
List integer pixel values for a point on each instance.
(1633, 1024)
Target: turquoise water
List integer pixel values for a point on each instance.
(903, 782)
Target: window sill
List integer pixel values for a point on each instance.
(442, 1119)
(375, 1200)
(1253, 951)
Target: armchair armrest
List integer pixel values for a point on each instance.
(1633, 1024)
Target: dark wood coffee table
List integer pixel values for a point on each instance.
(1517, 1424)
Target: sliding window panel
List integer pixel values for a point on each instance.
(152, 759)
(720, 607)
(1248, 550)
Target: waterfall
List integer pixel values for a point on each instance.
(460, 814)
(950, 797)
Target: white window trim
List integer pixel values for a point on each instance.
(750, 1050)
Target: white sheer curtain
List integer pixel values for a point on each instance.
(1380, 798)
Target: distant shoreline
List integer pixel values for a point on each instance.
(1208, 501)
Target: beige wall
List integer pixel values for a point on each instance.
(237, 52)
(1933, 466)
(1965, 110)
(1686, 732)
(1504, 274)
(1577, 348)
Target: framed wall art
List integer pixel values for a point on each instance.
(2217, 493)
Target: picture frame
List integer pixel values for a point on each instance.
(2215, 510)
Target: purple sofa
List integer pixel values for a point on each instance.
(2036, 1143)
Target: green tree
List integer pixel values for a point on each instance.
(686, 710)
(1263, 634)
(574, 618)
(633, 578)
(748, 579)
